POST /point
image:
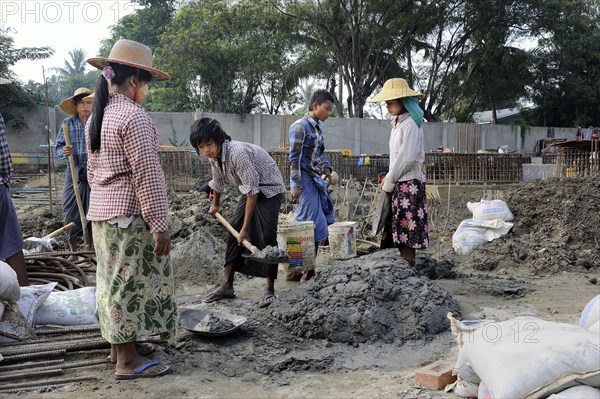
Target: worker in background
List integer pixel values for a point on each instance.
(79, 105)
(407, 228)
(310, 174)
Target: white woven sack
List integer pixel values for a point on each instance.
(526, 357)
(69, 308)
(490, 210)
(9, 285)
(595, 328)
(578, 392)
(472, 233)
(32, 297)
(591, 313)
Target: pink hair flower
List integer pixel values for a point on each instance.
(108, 73)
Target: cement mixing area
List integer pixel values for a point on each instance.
(515, 316)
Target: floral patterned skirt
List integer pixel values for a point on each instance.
(134, 289)
(408, 222)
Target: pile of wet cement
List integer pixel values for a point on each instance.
(214, 324)
(376, 297)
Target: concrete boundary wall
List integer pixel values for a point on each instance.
(368, 136)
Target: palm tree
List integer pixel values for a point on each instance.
(77, 64)
(73, 74)
(305, 93)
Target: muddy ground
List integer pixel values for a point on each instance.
(362, 326)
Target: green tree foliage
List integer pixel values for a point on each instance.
(567, 68)
(15, 95)
(231, 57)
(71, 76)
(244, 56)
(365, 39)
(145, 25)
(472, 64)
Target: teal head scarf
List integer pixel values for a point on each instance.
(412, 106)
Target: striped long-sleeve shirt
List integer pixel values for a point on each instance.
(6, 167)
(77, 139)
(307, 150)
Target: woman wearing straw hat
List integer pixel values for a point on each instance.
(80, 106)
(407, 228)
(129, 211)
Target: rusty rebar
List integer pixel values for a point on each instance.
(56, 340)
(21, 374)
(19, 371)
(95, 343)
(17, 388)
(31, 355)
(67, 329)
(65, 264)
(31, 365)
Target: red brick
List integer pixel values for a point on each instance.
(435, 376)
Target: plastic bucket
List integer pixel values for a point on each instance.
(298, 239)
(342, 240)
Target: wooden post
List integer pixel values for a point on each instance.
(48, 139)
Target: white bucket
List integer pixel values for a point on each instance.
(342, 240)
(298, 240)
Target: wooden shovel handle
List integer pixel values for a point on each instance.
(61, 230)
(233, 231)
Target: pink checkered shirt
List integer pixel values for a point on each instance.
(125, 175)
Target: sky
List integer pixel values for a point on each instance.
(62, 25)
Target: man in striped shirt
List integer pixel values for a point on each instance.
(308, 165)
(256, 175)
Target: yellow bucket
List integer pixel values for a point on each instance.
(298, 240)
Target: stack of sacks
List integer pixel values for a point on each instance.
(490, 221)
(530, 358)
(23, 308)
(13, 325)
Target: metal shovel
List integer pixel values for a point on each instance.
(270, 255)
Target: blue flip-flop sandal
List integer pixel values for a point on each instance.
(138, 373)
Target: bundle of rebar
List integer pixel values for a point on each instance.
(69, 270)
(28, 365)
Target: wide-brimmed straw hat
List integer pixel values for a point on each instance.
(4, 81)
(128, 52)
(395, 88)
(68, 106)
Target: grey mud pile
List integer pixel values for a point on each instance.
(376, 297)
(370, 311)
(198, 239)
(555, 229)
